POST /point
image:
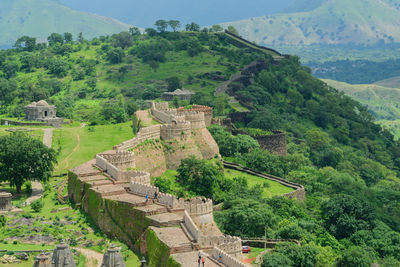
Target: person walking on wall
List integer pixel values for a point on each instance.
(147, 197)
(203, 261)
(198, 261)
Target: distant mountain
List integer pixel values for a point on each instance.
(205, 12)
(39, 18)
(381, 101)
(358, 22)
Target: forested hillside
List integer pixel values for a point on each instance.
(348, 164)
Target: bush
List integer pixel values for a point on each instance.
(28, 187)
(37, 205)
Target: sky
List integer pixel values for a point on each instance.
(144, 13)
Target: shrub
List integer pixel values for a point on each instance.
(37, 205)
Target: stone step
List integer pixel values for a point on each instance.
(165, 219)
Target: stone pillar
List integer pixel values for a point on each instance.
(5, 201)
(113, 258)
(62, 256)
(43, 260)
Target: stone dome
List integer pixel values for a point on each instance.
(42, 103)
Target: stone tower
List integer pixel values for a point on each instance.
(113, 258)
(43, 260)
(62, 256)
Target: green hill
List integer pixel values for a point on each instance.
(348, 164)
(39, 18)
(363, 22)
(381, 101)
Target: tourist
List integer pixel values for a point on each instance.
(203, 261)
(155, 194)
(147, 197)
(219, 257)
(199, 261)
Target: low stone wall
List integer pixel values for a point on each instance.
(226, 259)
(143, 189)
(147, 133)
(229, 244)
(191, 226)
(20, 123)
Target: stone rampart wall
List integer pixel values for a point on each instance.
(142, 189)
(196, 119)
(181, 130)
(136, 176)
(226, 259)
(208, 112)
(121, 159)
(160, 105)
(191, 226)
(275, 143)
(229, 244)
(151, 132)
(198, 206)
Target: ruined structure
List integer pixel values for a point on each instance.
(122, 202)
(5, 201)
(62, 256)
(43, 260)
(43, 112)
(113, 258)
(182, 94)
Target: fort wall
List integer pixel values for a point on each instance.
(191, 226)
(226, 259)
(143, 189)
(177, 130)
(208, 112)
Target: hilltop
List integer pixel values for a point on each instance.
(358, 22)
(347, 163)
(39, 18)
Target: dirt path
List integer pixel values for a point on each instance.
(37, 191)
(144, 116)
(93, 258)
(78, 138)
(48, 136)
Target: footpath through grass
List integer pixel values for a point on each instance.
(79, 144)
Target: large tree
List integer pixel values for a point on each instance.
(23, 158)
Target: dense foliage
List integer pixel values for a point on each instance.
(23, 158)
(357, 71)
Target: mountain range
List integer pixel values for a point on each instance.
(39, 18)
(357, 22)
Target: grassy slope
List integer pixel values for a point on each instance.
(391, 82)
(381, 101)
(273, 188)
(39, 18)
(93, 139)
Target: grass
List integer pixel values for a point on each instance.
(254, 252)
(92, 140)
(271, 188)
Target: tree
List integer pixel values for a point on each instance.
(80, 37)
(26, 43)
(55, 38)
(194, 27)
(174, 24)
(216, 28)
(276, 260)
(122, 39)
(23, 158)
(173, 83)
(115, 55)
(161, 25)
(356, 256)
(150, 32)
(134, 31)
(68, 37)
(136, 124)
(233, 30)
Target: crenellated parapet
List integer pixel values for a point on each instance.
(196, 119)
(208, 112)
(197, 206)
(223, 257)
(143, 189)
(120, 159)
(178, 129)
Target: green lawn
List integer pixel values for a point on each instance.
(271, 188)
(92, 140)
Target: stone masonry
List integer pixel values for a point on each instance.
(43, 112)
(5, 201)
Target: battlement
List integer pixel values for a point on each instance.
(196, 119)
(226, 259)
(143, 189)
(177, 130)
(208, 112)
(197, 206)
(120, 159)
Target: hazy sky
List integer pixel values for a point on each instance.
(143, 13)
